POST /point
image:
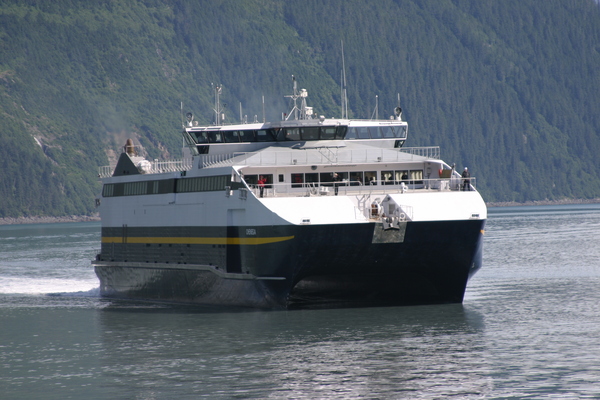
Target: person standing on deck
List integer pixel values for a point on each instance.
(336, 179)
(466, 181)
(261, 185)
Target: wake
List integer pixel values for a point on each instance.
(49, 286)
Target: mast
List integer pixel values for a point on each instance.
(219, 115)
(304, 112)
(344, 90)
(376, 109)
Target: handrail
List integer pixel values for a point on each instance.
(155, 167)
(308, 189)
(333, 157)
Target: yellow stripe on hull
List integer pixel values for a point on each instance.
(197, 240)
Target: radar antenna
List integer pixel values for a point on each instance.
(398, 110)
(302, 112)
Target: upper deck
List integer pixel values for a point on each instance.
(306, 133)
(286, 156)
(300, 130)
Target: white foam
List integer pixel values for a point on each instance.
(19, 285)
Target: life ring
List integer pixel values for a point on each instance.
(402, 217)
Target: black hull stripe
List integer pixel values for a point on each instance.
(197, 240)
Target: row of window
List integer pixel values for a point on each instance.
(301, 133)
(353, 178)
(356, 178)
(200, 184)
(376, 132)
(216, 183)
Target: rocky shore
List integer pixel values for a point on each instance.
(48, 220)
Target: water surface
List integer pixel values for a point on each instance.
(527, 329)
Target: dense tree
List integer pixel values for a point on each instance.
(508, 88)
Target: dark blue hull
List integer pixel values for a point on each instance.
(304, 266)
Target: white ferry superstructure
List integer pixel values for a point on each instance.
(300, 212)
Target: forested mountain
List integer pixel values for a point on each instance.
(509, 88)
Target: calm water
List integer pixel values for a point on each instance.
(529, 328)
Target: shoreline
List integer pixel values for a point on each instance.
(48, 220)
(96, 217)
(542, 202)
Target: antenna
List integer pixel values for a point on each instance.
(263, 100)
(305, 112)
(218, 110)
(181, 112)
(376, 109)
(344, 91)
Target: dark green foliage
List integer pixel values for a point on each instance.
(509, 88)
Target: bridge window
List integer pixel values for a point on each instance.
(311, 133)
(291, 133)
(328, 132)
(387, 131)
(231, 136)
(201, 137)
(264, 135)
(246, 136)
(351, 134)
(363, 132)
(375, 132)
(215, 137)
(400, 132)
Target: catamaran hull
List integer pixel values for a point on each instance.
(292, 266)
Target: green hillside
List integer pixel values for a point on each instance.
(509, 88)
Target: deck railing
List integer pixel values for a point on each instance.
(322, 156)
(153, 167)
(356, 188)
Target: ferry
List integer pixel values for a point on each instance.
(307, 211)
